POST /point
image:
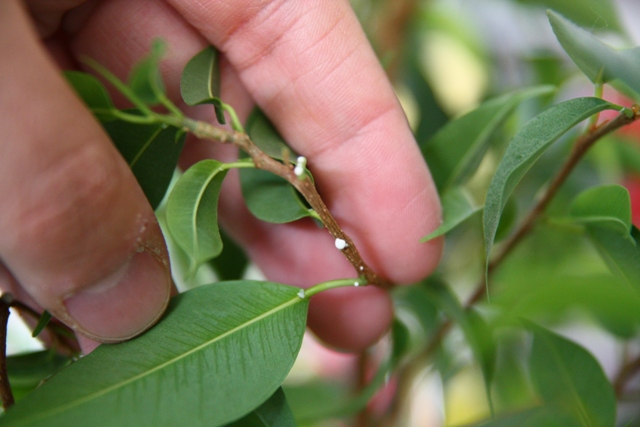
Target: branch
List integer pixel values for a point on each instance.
(305, 186)
(628, 371)
(60, 334)
(6, 394)
(581, 146)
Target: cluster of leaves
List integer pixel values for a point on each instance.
(221, 353)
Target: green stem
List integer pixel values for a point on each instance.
(235, 121)
(325, 286)
(240, 164)
(118, 84)
(598, 92)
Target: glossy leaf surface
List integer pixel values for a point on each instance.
(220, 351)
(200, 81)
(192, 211)
(456, 208)
(598, 61)
(455, 152)
(526, 147)
(151, 151)
(274, 412)
(93, 94)
(568, 377)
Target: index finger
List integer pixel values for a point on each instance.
(310, 67)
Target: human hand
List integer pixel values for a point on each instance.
(73, 214)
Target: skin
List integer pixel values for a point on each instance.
(77, 236)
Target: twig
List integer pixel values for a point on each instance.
(581, 146)
(6, 395)
(628, 371)
(60, 334)
(305, 186)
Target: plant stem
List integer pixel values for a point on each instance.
(628, 371)
(340, 283)
(306, 187)
(60, 334)
(6, 395)
(581, 146)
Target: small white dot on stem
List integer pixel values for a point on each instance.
(341, 244)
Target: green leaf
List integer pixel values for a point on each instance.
(598, 61)
(192, 211)
(220, 351)
(478, 334)
(605, 206)
(152, 152)
(274, 412)
(621, 253)
(607, 298)
(265, 135)
(43, 321)
(568, 377)
(587, 13)
(145, 80)
(525, 149)
(27, 371)
(535, 417)
(200, 81)
(456, 208)
(93, 94)
(232, 261)
(455, 152)
(269, 197)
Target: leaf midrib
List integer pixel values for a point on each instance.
(107, 390)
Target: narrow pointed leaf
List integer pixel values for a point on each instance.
(456, 208)
(220, 352)
(456, 151)
(269, 197)
(274, 412)
(598, 61)
(605, 206)
(151, 151)
(93, 94)
(594, 14)
(42, 323)
(192, 211)
(526, 148)
(567, 376)
(200, 81)
(145, 80)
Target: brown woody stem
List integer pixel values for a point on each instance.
(580, 148)
(305, 186)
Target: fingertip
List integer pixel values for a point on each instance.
(351, 319)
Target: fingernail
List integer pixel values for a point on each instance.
(125, 303)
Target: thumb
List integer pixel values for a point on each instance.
(76, 231)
